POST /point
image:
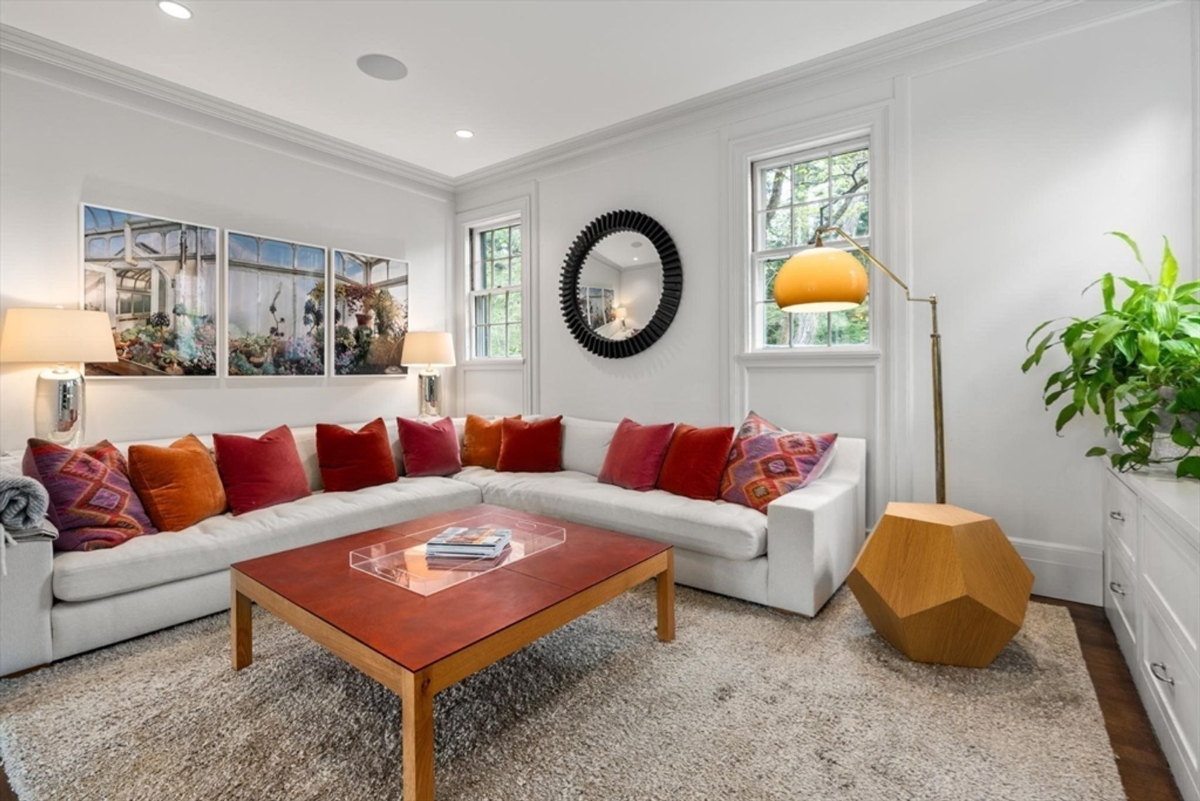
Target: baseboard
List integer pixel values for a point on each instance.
(1066, 572)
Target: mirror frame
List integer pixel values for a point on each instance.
(672, 283)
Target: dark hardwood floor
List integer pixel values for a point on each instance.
(1144, 770)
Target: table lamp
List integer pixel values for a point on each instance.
(823, 279)
(621, 313)
(59, 337)
(430, 349)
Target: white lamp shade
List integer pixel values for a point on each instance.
(620, 312)
(434, 348)
(57, 336)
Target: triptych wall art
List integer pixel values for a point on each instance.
(159, 280)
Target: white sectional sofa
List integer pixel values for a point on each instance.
(55, 605)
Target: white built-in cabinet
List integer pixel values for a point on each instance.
(1152, 598)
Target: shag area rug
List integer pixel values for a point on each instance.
(746, 704)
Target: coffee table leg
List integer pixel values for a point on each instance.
(416, 710)
(666, 600)
(242, 629)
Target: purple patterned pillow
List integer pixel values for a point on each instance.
(91, 501)
(766, 462)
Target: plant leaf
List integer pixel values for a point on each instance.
(1036, 356)
(1169, 273)
(1128, 240)
(1097, 451)
(1108, 290)
(1105, 334)
(1182, 437)
(1189, 467)
(1148, 345)
(1064, 416)
(1036, 330)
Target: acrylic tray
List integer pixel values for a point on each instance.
(403, 561)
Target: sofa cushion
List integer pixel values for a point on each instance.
(481, 441)
(530, 446)
(695, 461)
(217, 542)
(766, 462)
(178, 485)
(712, 527)
(351, 460)
(585, 444)
(92, 503)
(261, 472)
(430, 449)
(635, 455)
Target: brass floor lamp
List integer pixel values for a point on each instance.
(917, 549)
(823, 279)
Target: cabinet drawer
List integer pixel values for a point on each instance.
(1120, 515)
(1173, 683)
(1171, 573)
(1119, 598)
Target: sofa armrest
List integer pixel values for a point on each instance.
(814, 534)
(25, 600)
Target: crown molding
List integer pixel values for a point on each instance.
(30, 56)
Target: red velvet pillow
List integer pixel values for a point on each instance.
(429, 449)
(262, 472)
(635, 455)
(695, 461)
(527, 447)
(351, 460)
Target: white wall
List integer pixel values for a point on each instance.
(640, 291)
(58, 148)
(596, 273)
(1003, 157)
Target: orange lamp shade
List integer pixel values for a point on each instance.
(820, 280)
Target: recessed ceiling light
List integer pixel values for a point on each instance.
(385, 68)
(173, 9)
(637, 243)
(463, 133)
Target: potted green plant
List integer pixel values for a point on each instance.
(1137, 364)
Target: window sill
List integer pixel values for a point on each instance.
(493, 364)
(848, 355)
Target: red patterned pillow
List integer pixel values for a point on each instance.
(766, 462)
(92, 502)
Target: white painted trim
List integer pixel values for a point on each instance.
(1064, 571)
(928, 35)
(47, 61)
(520, 207)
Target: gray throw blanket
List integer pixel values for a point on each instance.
(23, 503)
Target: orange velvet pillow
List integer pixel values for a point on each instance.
(179, 486)
(481, 441)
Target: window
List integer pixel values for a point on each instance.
(794, 195)
(495, 294)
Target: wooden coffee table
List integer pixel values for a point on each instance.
(419, 645)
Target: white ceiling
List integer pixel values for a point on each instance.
(626, 249)
(522, 75)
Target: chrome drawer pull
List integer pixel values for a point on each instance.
(1117, 516)
(1115, 587)
(1155, 667)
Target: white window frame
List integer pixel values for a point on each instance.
(758, 303)
(474, 265)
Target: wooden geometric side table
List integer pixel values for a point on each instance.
(941, 584)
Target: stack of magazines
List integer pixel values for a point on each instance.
(456, 542)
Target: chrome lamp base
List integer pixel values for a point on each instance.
(430, 388)
(58, 406)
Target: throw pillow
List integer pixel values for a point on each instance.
(695, 461)
(179, 485)
(351, 460)
(481, 441)
(766, 463)
(635, 455)
(530, 447)
(92, 503)
(429, 449)
(262, 472)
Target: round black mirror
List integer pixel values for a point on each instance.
(621, 284)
